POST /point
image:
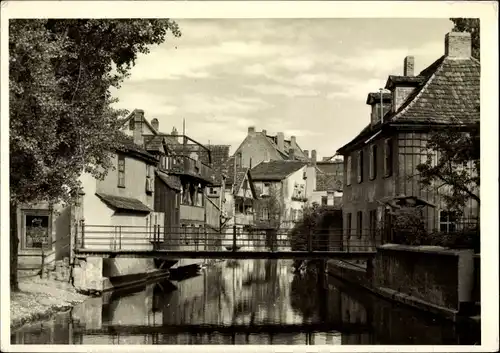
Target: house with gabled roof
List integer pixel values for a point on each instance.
(284, 183)
(258, 147)
(380, 162)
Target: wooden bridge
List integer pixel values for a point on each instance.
(201, 243)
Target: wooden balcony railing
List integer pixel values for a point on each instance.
(188, 166)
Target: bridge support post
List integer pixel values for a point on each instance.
(309, 241)
(82, 224)
(234, 237)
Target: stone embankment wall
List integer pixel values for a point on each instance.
(59, 270)
(438, 276)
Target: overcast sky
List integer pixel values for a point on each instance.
(306, 77)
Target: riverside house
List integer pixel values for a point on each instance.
(283, 184)
(183, 173)
(380, 162)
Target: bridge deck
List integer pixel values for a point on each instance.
(210, 254)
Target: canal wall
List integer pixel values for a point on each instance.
(92, 275)
(433, 279)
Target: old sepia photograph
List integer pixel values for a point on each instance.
(243, 181)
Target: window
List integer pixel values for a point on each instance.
(37, 230)
(387, 158)
(212, 191)
(359, 227)
(373, 162)
(360, 167)
(348, 168)
(121, 171)
(373, 223)
(324, 200)
(245, 184)
(349, 224)
(447, 222)
(148, 171)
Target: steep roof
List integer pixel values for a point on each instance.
(275, 170)
(121, 203)
(447, 92)
(172, 181)
(287, 145)
(126, 144)
(328, 182)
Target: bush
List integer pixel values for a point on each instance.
(409, 229)
(316, 222)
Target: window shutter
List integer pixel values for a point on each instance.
(360, 166)
(387, 158)
(373, 162)
(348, 174)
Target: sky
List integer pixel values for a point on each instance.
(305, 77)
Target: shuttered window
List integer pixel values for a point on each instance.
(360, 167)
(387, 158)
(373, 162)
(121, 171)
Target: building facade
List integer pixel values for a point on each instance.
(283, 187)
(380, 163)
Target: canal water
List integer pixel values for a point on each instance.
(245, 302)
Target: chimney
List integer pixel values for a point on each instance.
(458, 45)
(291, 154)
(280, 137)
(313, 157)
(250, 163)
(251, 130)
(155, 124)
(409, 66)
(306, 153)
(293, 141)
(138, 119)
(264, 132)
(174, 131)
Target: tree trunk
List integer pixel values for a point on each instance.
(14, 245)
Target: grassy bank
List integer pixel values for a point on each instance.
(39, 299)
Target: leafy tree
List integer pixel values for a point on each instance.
(453, 163)
(470, 25)
(61, 118)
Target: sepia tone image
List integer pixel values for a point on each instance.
(245, 181)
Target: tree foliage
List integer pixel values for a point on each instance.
(470, 25)
(61, 117)
(453, 165)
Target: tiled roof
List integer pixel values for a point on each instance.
(153, 142)
(328, 182)
(331, 167)
(449, 94)
(220, 157)
(172, 181)
(123, 203)
(275, 170)
(287, 145)
(127, 144)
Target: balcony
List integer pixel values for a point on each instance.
(189, 158)
(192, 213)
(184, 165)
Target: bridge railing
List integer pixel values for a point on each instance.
(97, 237)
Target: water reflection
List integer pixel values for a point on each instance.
(242, 302)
